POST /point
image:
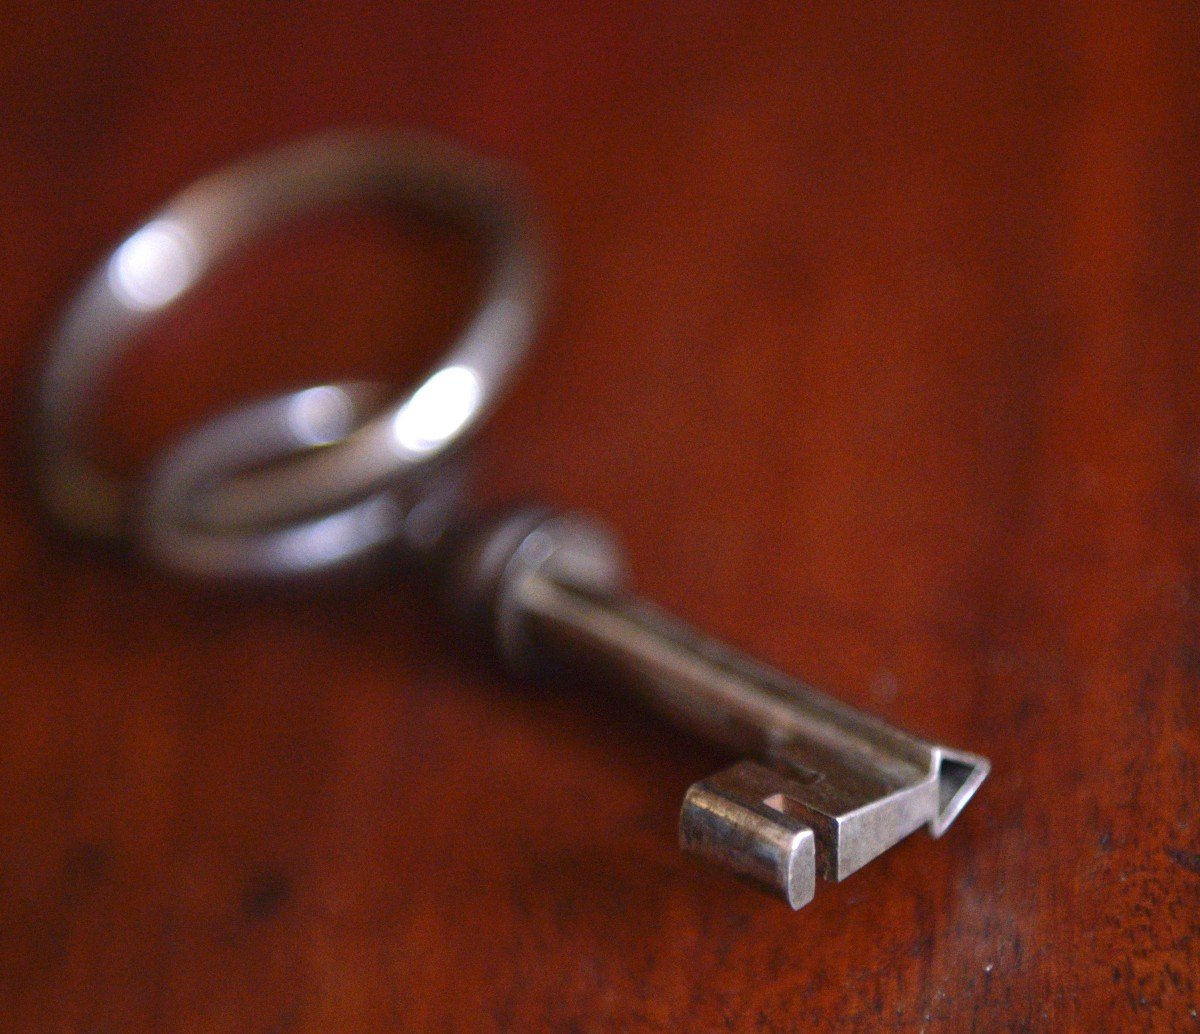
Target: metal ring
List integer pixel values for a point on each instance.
(168, 255)
(412, 514)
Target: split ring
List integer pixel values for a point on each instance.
(238, 505)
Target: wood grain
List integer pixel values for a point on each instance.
(876, 335)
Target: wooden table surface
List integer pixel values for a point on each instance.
(875, 334)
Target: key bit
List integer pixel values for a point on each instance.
(829, 787)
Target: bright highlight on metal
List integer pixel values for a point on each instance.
(154, 266)
(438, 410)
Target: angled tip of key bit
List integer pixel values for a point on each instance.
(959, 775)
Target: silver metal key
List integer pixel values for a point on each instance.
(319, 479)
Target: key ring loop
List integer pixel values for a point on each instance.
(411, 514)
(369, 456)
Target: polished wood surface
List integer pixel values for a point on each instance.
(876, 334)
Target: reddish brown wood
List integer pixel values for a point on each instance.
(876, 334)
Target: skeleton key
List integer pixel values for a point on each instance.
(312, 480)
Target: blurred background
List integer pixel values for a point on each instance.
(873, 331)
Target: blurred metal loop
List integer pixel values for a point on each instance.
(411, 513)
(306, 480)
